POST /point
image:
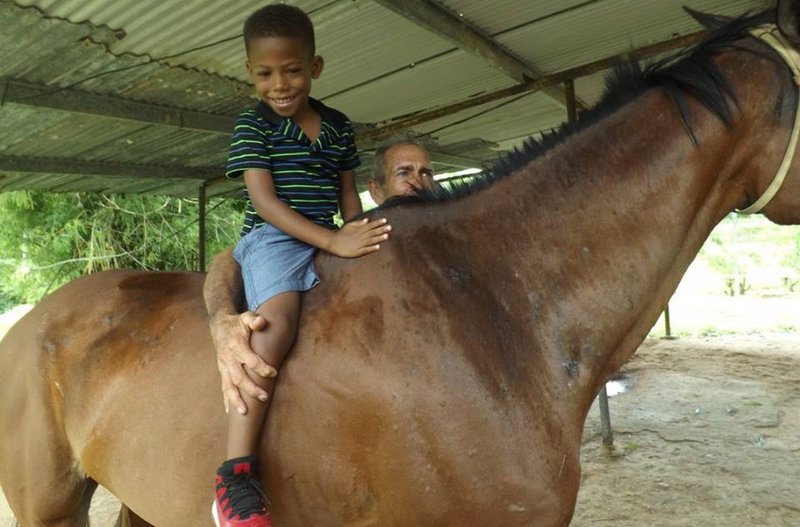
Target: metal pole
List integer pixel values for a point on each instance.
(667, 326)
(605, 418)
(569, 92)
(201, 228)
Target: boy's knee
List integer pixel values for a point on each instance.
(282, 322)
(273, 342)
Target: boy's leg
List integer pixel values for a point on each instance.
(272, 344)
(240, 501)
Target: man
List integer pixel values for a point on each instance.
(402, 168)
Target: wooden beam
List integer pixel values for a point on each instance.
(455, 160)
(572, 110)
(77, 101)
(436, 18)
(399, 124)
(94, 168)
(72, 100)
(435, 155)
(201, 228)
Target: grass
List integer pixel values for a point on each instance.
(764, 258)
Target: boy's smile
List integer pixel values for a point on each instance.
(281, 68)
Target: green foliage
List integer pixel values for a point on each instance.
(49, 239)
(742, 247)
(791, 262)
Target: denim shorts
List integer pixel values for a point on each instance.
(273, 263)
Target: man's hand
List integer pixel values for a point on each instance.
(231, 336)
(358, 238)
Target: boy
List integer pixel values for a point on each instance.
(297, 157)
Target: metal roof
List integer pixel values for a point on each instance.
(103, 95)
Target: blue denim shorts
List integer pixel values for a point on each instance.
(273, 263)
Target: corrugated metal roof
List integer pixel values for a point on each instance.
(174, 57)
(602, 29)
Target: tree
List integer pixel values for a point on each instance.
(50, 239)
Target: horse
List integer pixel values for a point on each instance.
(445, 379)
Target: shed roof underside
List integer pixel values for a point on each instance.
(140, 97)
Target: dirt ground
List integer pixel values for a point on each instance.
(707, 434)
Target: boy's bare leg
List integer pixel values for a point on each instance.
(223, 293)
(283, 310)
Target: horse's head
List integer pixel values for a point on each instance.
(771, 175)
(772, 184)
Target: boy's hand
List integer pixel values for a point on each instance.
(231, 336)
(358, 238)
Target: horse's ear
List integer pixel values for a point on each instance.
(789, 20)
(708, 20)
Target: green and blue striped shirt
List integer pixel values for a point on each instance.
(305, 173)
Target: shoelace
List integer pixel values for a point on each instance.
(245, 495)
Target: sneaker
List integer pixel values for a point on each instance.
(240, 501)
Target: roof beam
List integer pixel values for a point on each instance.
(76, 101)
(71, 100)
(454, 160)
(398, 124)
(93, 168)
(434, 17)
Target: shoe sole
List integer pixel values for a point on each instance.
(214, 513)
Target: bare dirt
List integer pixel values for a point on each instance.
(707, 434)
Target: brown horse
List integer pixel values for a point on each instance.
(444, 380)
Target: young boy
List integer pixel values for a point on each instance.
(297, 157)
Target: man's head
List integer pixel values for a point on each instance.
(280, 58)
(402, 168)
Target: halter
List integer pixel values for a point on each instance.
(769, 34)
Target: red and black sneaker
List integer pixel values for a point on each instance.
(240, 501)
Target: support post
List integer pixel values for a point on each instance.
(201, 227)
(667, 325)
(572, 108)
(605, 418)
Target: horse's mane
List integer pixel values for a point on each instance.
(690, 71)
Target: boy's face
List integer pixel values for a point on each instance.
(281, 68)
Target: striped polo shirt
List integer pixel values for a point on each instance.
(305, 173)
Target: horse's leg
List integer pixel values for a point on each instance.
(43, 504)
(39, 473)
(127, 518)
(43, 487)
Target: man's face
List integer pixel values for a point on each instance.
(407, 169)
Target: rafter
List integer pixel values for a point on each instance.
(93, 168)
(436, 18)
(77, 101)
(71, 100)
(396, 125)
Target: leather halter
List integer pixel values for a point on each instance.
(770, 35)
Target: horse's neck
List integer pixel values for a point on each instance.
(627, 207)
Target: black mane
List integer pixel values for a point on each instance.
(690, 71)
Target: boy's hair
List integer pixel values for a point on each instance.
(380, 153)
(279, 20)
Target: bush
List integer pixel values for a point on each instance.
(50, 239)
